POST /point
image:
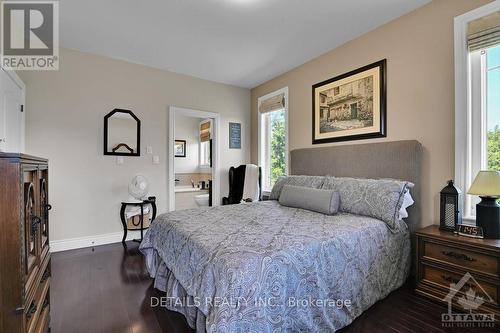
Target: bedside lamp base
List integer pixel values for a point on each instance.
(488, 217)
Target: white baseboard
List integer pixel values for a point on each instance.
(89, 241)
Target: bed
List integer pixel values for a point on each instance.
(264, 267)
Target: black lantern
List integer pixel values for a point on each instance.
(450, 207)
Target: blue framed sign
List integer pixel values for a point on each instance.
(234, 136)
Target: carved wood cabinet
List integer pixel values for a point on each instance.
(24, 244)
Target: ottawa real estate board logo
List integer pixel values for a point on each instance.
(469, 295)
(29, 35)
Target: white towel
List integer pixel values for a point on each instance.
(251, 184)
(131, 211)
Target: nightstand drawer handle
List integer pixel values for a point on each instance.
(455, 281)
(458, 256)
(449, 279)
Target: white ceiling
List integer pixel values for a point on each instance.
(238, 42)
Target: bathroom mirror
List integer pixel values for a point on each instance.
(122, 133)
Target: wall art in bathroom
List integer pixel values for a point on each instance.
(180, 148)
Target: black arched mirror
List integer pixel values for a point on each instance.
(122, 133)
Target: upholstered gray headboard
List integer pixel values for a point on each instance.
(396, 159)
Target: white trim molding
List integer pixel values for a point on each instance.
(22, 120)
(91, 241)
(173, 111)
(463, 100)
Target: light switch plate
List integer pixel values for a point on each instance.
(119, 160)
(149, 149)
(156, 159)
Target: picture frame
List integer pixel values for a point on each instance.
(351, 106)
(180, 148)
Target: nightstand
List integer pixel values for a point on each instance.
(141, 224)
(444, 258)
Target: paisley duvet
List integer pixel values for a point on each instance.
(263, 267)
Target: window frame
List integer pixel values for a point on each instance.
(469, 125)
(261, 133)
(201, 165)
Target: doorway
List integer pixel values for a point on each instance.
(193, 158)
(12, 113)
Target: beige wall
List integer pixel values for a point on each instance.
(65, 111)
(420, 88)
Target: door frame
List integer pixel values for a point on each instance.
(22, 126)
(173, 111)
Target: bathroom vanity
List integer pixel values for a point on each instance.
(187, 197)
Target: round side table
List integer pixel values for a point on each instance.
(150, 201)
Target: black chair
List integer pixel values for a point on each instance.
(236, 183)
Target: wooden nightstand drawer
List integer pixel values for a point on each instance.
(444, 258)
(466, 259)
(444, 278)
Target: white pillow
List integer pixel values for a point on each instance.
(407, 202)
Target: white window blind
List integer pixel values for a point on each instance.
(484, 32)
(272, 103)
(205, 130)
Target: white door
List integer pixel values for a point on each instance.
(11, 114)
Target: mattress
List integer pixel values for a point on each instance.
(263, 267)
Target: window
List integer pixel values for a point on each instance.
(205, 154)
(484, 115)
(477, 98)
(205, 143)
(273, 137)
(492, 56)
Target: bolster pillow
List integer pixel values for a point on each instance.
(316, 200)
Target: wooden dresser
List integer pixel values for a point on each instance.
(24, 244)
(444, 258)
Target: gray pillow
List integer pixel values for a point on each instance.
(317, 200)
(378, 198)
(304, 181)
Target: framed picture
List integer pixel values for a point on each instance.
(351, 106)
(180, 148)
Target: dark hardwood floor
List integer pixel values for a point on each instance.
(107, 289)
